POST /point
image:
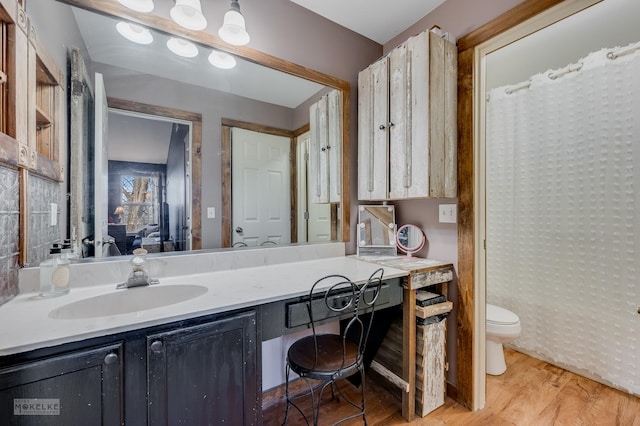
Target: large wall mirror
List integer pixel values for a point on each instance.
(173, 126)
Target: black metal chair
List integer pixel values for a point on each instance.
(325, 358)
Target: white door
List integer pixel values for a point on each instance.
(101, 173)
(314, 220)
(260, 188)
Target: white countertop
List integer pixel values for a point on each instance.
(26, 324)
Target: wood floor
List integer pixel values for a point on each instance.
(531, 392)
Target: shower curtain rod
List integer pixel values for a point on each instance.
(623, 52)
(614, 54)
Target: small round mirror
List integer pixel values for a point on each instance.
(410, 239)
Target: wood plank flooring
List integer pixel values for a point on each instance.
(530, 393)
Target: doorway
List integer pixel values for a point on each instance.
(481, 60)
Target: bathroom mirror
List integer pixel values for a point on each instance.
(410, 239)
(376, 230)
(263, 91)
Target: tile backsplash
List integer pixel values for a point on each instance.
(9, 232)
(42, 192)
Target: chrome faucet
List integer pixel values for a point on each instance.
(139, 275)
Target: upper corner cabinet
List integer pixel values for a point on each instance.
(325, 149)
(407, 134)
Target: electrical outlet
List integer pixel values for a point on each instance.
(211, 212)
(447, 213)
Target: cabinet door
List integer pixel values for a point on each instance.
(334, 147)
(78, 388)
(410, 119)
(318, 158)
(373, 143)
(206, 374)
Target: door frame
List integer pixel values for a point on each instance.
(195, 183)
(471, 386)
(226, 125)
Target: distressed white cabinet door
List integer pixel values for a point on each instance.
(334, 147)
(409, 113)
(318, 157)
(373, 141)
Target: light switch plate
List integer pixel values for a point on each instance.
(211, 212)
(448, 213)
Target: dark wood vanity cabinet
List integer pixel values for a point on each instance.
(206, 374)
(82, 387)
(201, 371)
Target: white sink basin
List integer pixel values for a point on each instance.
(128, 300)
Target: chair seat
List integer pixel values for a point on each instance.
(302, 356)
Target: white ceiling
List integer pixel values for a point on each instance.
(379, 20)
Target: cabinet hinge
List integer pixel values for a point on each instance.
(306, 215)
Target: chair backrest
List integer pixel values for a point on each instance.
(355, 305)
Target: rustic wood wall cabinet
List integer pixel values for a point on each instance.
(407, 122)
(32, 108)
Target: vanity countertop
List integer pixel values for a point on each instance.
(28, 326)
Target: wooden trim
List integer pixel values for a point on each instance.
(227, 219)
(196, 155)
(226, 186)
(48, 168)
(466, 209)
(302, 130)
(114, 9)
(153, 110)
(504, 22)
(8, 150)
(24, 217)
(48, 65)
(260, 128)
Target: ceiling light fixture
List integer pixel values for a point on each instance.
(233, 29)
(222, 60)
(182, 47)
(188, 14)
(134, 33)
(144, 6)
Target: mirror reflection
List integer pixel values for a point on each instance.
(410, 239)
(376, 230)
(162, 182)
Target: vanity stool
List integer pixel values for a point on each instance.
(329, 357)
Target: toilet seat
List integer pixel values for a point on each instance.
(501, 316)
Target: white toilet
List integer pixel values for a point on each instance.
(502, 326)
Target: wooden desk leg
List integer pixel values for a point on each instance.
(409, 353)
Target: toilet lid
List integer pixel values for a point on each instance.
(498, 315)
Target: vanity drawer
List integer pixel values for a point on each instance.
(425, 279)
(298, 314)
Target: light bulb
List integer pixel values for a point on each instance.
(134, 33)
(182, 47)
(222, 60)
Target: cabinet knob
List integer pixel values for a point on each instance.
(156, 346)
(382, 127)
(391, 124)
(323, 149)
(111, 358)
(328, 147)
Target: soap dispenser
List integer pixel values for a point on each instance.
(54, 274)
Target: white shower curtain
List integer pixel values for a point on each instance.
(563, 215)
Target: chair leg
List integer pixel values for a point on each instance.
(286, 394)
(362, 388)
